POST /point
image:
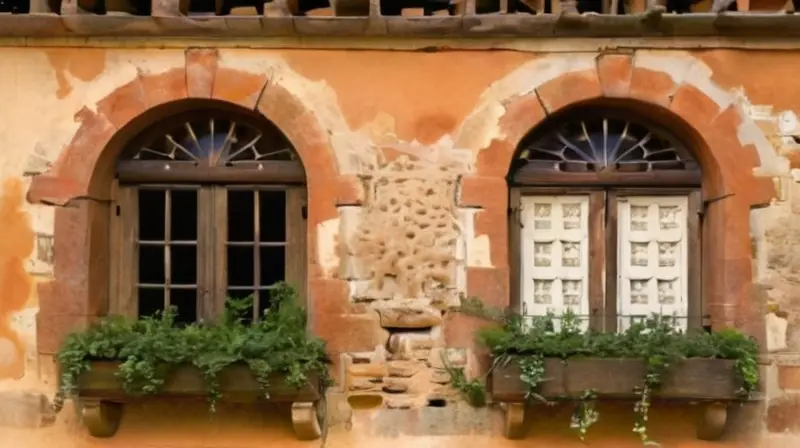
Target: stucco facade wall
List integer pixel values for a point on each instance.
(446, 124)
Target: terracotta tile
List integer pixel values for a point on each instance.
(615, 71)
(483, 191)
(165, 87)
(201, 69)
(490, 285)
(569, 89)
(495, 159)
(651, 86)
(350, 333)
(239, 87)
(521, 116)
(53, 189)
(77, 161)
(124, 104)
(694, 106)
(329, 296)
(460, 329)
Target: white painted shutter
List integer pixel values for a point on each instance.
(653, 262)
(555, 254)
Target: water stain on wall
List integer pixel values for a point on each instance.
(16, 245)
(84, 64)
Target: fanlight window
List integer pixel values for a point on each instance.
(210, 204)
(215, 142)
(599, 143)
(214, 147)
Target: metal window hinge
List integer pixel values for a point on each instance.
(304, 211)
(516, 213)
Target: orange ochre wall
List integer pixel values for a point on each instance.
(350, 115)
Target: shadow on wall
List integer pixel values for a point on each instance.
(16, 245)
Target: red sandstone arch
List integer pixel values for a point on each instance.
(79, 183)
(710, 131)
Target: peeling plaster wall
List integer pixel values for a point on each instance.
(409, 127)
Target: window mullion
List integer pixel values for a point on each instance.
(217, 265)
(611, 261)
(206, 255)
(695, 263)
(597, 260)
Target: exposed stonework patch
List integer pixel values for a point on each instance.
(409, 228)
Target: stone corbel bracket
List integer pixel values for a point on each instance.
(102, 418)
(710, 426)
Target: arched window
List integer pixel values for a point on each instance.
(210, 204)
(606, 221)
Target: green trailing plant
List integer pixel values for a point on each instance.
(585, 414)
(148, 349)
(655, 340)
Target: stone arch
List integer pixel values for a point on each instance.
(673, 89)
(79, 183)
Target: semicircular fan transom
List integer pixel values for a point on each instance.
(213, 140)
(604, 144)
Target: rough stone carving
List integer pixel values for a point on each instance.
(409, 229)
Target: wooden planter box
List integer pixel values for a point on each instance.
(710, 380)
(102, 397)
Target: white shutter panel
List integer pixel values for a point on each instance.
(653, 262)
(555, 254)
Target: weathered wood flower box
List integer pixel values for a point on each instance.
(102, 397)
(713, 381)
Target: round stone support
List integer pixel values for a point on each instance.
(101, 418)
(712, 422)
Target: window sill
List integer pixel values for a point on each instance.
(710, 381)
(102, 396)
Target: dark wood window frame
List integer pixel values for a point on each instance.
(245, 154)
(605, 184)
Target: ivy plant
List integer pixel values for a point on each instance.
(655, 340)
(148, 349)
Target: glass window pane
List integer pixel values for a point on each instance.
(186, 302)
(151, 214)
(241, 215)
(151, 264)
(272, 215)
(151, 300)
(183, 262)
(273, 265)
(184, 215)
(240, 266)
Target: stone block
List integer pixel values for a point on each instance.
(783, 414)
(409, 317)
(25, 409)
(614, 71)
(789, 377)
(403, 369)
